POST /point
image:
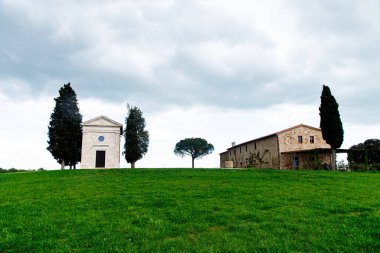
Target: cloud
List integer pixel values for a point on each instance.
(23, 133)
(239, 55)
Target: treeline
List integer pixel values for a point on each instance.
(13, 170)
(365, 156)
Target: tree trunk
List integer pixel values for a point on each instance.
(132, 165)
(333, 159)
(192, 162)
(62, 165)
(75, 166)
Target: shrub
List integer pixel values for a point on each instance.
(316, 165)
(364, 167)
(375, 166)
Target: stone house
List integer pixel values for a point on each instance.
(101, 143)
(300, 146)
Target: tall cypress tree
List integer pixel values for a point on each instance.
(65, 128)
(136, 137)
(331, 125)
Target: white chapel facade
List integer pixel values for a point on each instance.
(101, 143)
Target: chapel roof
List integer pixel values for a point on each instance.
(93, 121)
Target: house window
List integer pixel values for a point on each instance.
(299, 139)
(311, 139)
(240, 149)
(255, 146)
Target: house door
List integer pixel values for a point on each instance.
(100, 161)
(296, 162)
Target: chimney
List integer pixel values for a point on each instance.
(233, 144)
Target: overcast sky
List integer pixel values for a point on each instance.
(221, 70)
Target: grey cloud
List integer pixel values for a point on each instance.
(179, 54)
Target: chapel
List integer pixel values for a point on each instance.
(101, 143)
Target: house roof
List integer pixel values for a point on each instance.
(297, 126)
(274, 134)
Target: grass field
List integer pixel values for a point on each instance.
(189, 211)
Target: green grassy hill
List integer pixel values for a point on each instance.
(189, 211)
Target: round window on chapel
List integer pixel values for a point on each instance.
(101, 138)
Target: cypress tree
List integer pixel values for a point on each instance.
(65, 128)
(136, 137)
(331, 124)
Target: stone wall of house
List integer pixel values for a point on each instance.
(312, 160)
(288, 139)
(301, 138)
(223, 158)
(267, 148)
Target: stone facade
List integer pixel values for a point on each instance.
(101, 143)
(294, 150)
(298, 146)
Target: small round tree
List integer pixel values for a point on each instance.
(331, 125)
(194, 147)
